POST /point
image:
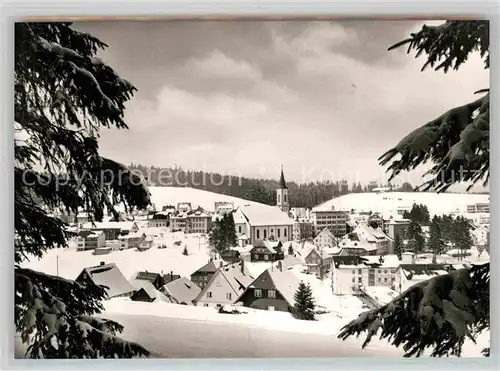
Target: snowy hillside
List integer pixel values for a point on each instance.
(387, 203)
(161, 196)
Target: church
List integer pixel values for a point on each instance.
(257, 223)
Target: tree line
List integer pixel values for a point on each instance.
(256, 189)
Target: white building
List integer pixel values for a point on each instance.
(192, 221)
(363, 236)
(334, 220)
(159, 220)
(301, 213)
(223, 207)
(87, 240)
(325, 239)
(350, 274)
(225, 286)
(408, 275)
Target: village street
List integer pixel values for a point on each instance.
(180, 338)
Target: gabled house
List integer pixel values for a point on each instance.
(273, 290)
(325, 239)
(408, 275)
(156, 279)
(133, 240)
(112, 230)
(225, 286)
(181, 291)
(159, 220)
(107, 275)
(144, 291)
(88, 240)
(317, 262)
(267, 250)
(230, 256)
(205, 273)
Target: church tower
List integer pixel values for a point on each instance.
(282, 200)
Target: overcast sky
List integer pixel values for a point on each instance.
(246, 97)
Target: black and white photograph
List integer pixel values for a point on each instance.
(251, 188)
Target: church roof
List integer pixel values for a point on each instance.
(282, 180)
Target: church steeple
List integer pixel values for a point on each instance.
(282, 194)
(282, 180)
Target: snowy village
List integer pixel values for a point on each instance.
(260, 189)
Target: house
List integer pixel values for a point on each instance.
(184, 207)
(267, 251)
(144, 291)
(203, 275)
(224, 207)
(262, 222)
(168, 209)
(408, 275)
(243, 240)
(226, 286)
(317, 262)
(107, 275)
(156, 279)
(102, 250)
(301, 213)
(352, 248)
(159, 220)
(192, 221)
(88, 240)
(181, 291)
(351, 273)
(394, 226)
(364, 236)
(131, 240)
(480, 235)
(230, 256)
(302, 230)
(167, 278)
(325, 239)
(273, 290)
(112, 230)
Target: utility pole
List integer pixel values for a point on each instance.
(57, 265)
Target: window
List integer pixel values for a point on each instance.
(257, 293)
(228, 296)
(360, 279)
(266, 257)
(209, 294)
(265, 233)
(385, 279)
(284, 232)
(379, 279)
(278, 198)
(279, 235)
(258, 234)
(380, 271)
(354, 279)
(206, 305)
(359, 271)
(271, 294)
(239, 229)
(353, 271)
(284, 198)
(385, 271)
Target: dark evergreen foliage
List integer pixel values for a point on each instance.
(436, 244)
(441, 312)
(185, 251)
(63, 94)
(398, 246)
(223, 234)
(304, 303)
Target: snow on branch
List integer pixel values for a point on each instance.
(438, 313)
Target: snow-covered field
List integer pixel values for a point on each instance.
(161, 196)
(387, 203)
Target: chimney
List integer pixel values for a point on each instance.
(171, 276)
(102, 263)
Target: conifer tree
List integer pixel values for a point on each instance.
(441, 312)
(63, 94)
(290, 249)
(436, 244)
(185, 251)
(304, 303)
(398, 246)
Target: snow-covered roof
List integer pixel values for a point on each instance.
(423, 271)
(325, 232)
(239, 279)
(110, 276)
(146, 286)
(210, 267)
(181, 291)
(286, 283)
(263, 215)
(132, 235)
(124, 226)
